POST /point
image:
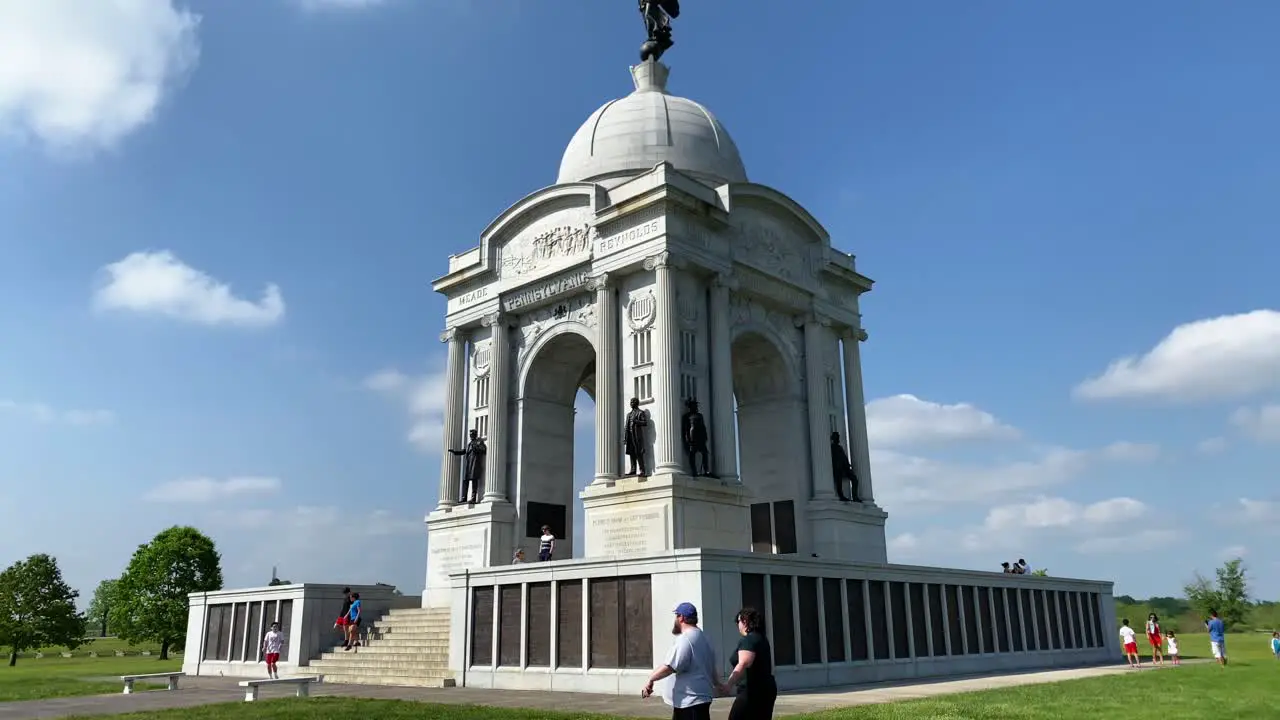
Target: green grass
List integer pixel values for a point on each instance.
(1243, 690)
(55, 676)
(102, 646)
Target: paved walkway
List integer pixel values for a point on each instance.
(208, 690)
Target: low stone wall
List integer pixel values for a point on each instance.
(600, 625)
(225, 628)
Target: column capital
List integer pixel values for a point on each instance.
(664, 259)
(725, 280)
(450, 334)
(849, 332)
(811, 318)
(494, 319)
(599, 282)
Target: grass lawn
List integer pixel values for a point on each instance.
(56, 676)
(1243, 690)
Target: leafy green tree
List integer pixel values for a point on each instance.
(1229, 596)
(37, 608)
(100, 607)
(1040, 572)
(151, 601)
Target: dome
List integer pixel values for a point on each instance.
(630, 136)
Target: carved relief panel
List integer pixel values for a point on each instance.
(580, 309)
(557, 241)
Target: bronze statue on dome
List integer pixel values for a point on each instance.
(657, 15)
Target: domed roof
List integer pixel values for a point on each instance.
(632, 135)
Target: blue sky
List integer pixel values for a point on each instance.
(219, 222)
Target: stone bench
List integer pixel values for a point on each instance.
(302, 683)
(172, 677)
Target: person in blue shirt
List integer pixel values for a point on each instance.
(1217, 637)
(353, 623)
(1275, 644)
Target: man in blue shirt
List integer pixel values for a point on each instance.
(1217, 637)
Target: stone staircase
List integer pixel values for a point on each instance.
(406, 647)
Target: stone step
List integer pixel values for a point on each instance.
(371, 664)
(343, 678)
(424, 636)
(438, 655)
(420, 612)
(407, 645)
(411, 624)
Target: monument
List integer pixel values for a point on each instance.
(719, 333)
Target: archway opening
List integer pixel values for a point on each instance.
(771, 442)
(558, 383)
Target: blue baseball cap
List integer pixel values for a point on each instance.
(686, 610)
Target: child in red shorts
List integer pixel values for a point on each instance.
(1130, 640)
(272, 645)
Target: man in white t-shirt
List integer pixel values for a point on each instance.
(1130, 640)
(272, 646)
(691, 665)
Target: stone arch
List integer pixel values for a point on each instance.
(771, 418)
(559, 362)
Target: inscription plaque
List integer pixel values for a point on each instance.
(1042, 619)
(569, 624)
(834, 618)
(629, 533)
(637, 622)
(1003, 618)
(919, 628)
(901, 625)
(1021, 628)
(972, 619)
(881, 639)
(810, 632)
(454, 552)
(482, 626)
(510, 617)
(1096, 607)
(538, 645)
(603, 617)
(988, 621)
(1055, 626)
(937, 621)
(784, 629)
(238, 618)
(954, 630)
(255, 627)
(859, 641)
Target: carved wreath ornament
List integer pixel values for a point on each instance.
(641, 311)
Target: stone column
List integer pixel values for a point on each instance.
(855, 409)
(815, 381)
(455, 394)
(726, 457)
(608, 374)
(668, 451)
(495, 471)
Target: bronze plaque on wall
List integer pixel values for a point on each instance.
(482, 626)
(880, 638)
(937, 622)
(901, 624)
(603, 617)
(834, 617)
(919, 630)
(859, 642)
(538, 514)
(810, 631)
(1043, 624)
(784, 519)
(569, 624)
(510, 616)
(1096, 606)
(538, 645)
(784, 631)
(761, 531)
(953, 620)
(1029, 622)
(637, 622)
(1055, 636)
(971, 619)
(988, 621)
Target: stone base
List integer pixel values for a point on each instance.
(643, 516)
(847, 530)
(466, 537)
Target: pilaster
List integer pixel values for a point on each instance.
(495, 485)
(726, 457)
(667, 349)
(815, 327)
(454, 416)
(856, 412)
(608, 392)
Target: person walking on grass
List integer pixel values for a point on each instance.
(1275, 644)
(1130, 640)
(1171, 641)
(272, 646)
(1155, 639)
(1217, 637)
(691, 665)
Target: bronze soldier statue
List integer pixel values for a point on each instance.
(472, 467)
(694, 429)
(842, 471)
(657, 16)
(634, 434)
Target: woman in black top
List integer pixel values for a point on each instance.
(752, 675)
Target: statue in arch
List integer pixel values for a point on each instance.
(473, 456)
(657, 16)
(694, 430)
(842, 471)
(634, 435)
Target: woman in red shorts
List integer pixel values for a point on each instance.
(1155, 638)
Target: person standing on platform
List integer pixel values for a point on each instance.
(691, 665)
(546, 544)
(752, 676)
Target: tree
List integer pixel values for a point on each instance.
(37, 608)
(1229, 597)
(152, 594)
(103, 602)
(1040, 572)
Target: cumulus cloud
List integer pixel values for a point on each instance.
(1211, 446)
(1259, 512)
(43, 413)
(83, 75)
(1231, 552)
(1056, 512)
(203, 489)
(1262, 424)
(903, 420)
(1141, 541)
(158, 283)
(424, 399)
(1223, 357)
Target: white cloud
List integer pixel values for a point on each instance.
(1055, 512)
(1260, 512)
(322, 5)
(1211, 446)
(1262, 424)
(1141, 541)
(83, 75)
(1131, 451)
(158, 283)
(907, 420)
(424, 398)
(203, 489)
(42, 413)
(1231, 552)
(1222, 357)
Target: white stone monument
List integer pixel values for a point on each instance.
(654, 269)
